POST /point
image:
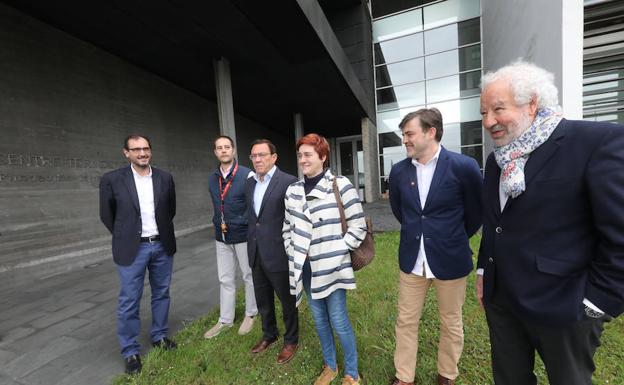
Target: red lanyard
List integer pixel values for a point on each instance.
(224, 190)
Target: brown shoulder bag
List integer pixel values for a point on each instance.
(364, 254)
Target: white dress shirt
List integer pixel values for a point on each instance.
(145, 191)
(261, 187)
(424, 176)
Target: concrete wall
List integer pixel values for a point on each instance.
(65, 108)
(548, 33)
(247, 131)
(353, 30)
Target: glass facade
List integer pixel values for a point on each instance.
(603, 62)
(429, 56)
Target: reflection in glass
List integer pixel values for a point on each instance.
(399, 49)
(451, 138)
(450, 11)
(401, 96)
(443, 89)
(441, 39)
(390, 139)
(463, 110)
(471, 133)
(399, 25)
(442, 64)
(469, 83)
(390, 159)
(408, 71)
(470, 58)
(470, 109)
(469, 31)
(474, 152)
(388, 121)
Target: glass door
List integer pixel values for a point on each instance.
(350, 156)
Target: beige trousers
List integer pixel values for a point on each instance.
(451, 295)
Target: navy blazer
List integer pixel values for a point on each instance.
(265, 230)
(121, 214)
(562, 239)
(452, 214)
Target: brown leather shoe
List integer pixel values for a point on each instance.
(445, 381)
(287, 353)
(396, 381)
(263, 345)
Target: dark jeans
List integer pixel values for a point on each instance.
(567, 351)
(151, 256)
(266, 284)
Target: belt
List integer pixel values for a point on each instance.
(153, 238)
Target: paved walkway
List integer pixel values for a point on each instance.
(61, 330)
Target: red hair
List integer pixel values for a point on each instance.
(320, 144)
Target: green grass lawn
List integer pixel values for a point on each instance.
(372, 307)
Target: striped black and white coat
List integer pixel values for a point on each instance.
(312, 230)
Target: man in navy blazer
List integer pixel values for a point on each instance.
(551, 260)
(265, 248)
(436, 196)
(137, 205)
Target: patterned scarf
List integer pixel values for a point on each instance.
(512, 157)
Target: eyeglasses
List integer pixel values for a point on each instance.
(146, 150)
(259, 156)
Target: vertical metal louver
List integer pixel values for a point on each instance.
(603, 61)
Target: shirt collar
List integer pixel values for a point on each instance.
(225, 173)
(136, 174)
(268, 175)
(434, 159)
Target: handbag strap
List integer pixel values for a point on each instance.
(343, 220)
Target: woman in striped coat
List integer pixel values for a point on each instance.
(318, 252)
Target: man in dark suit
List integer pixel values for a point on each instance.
(436, 196)
(551, 261)
(265, 248)
(137, 205)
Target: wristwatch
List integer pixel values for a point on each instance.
(591, 313)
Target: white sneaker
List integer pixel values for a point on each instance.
(216, 330)
(246, 325)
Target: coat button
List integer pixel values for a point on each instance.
(491, 259)
(499, 230)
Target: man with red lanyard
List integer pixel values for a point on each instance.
(227, 189)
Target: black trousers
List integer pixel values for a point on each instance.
(567, 351)
(266, 284)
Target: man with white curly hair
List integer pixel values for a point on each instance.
(551, 261)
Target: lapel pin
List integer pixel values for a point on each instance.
(412, 183)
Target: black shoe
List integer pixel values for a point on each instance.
(165, 343)
(133, 364)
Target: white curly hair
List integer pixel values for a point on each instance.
(527, 81)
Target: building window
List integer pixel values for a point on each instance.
(429, 56)
(603, 62)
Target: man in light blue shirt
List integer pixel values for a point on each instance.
(265, 247)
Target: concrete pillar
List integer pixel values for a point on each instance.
(225, 101)
(372, 189)
(534, 31)
(298, 122)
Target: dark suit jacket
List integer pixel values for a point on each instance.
(562, 239)
(265, 230)
(121, 214)
(451, 216)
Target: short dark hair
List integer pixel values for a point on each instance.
(135, 137)
(320, 144)
(214, 144)
(428, 117)
(267, 142)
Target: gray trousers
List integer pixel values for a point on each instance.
(227, 256)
